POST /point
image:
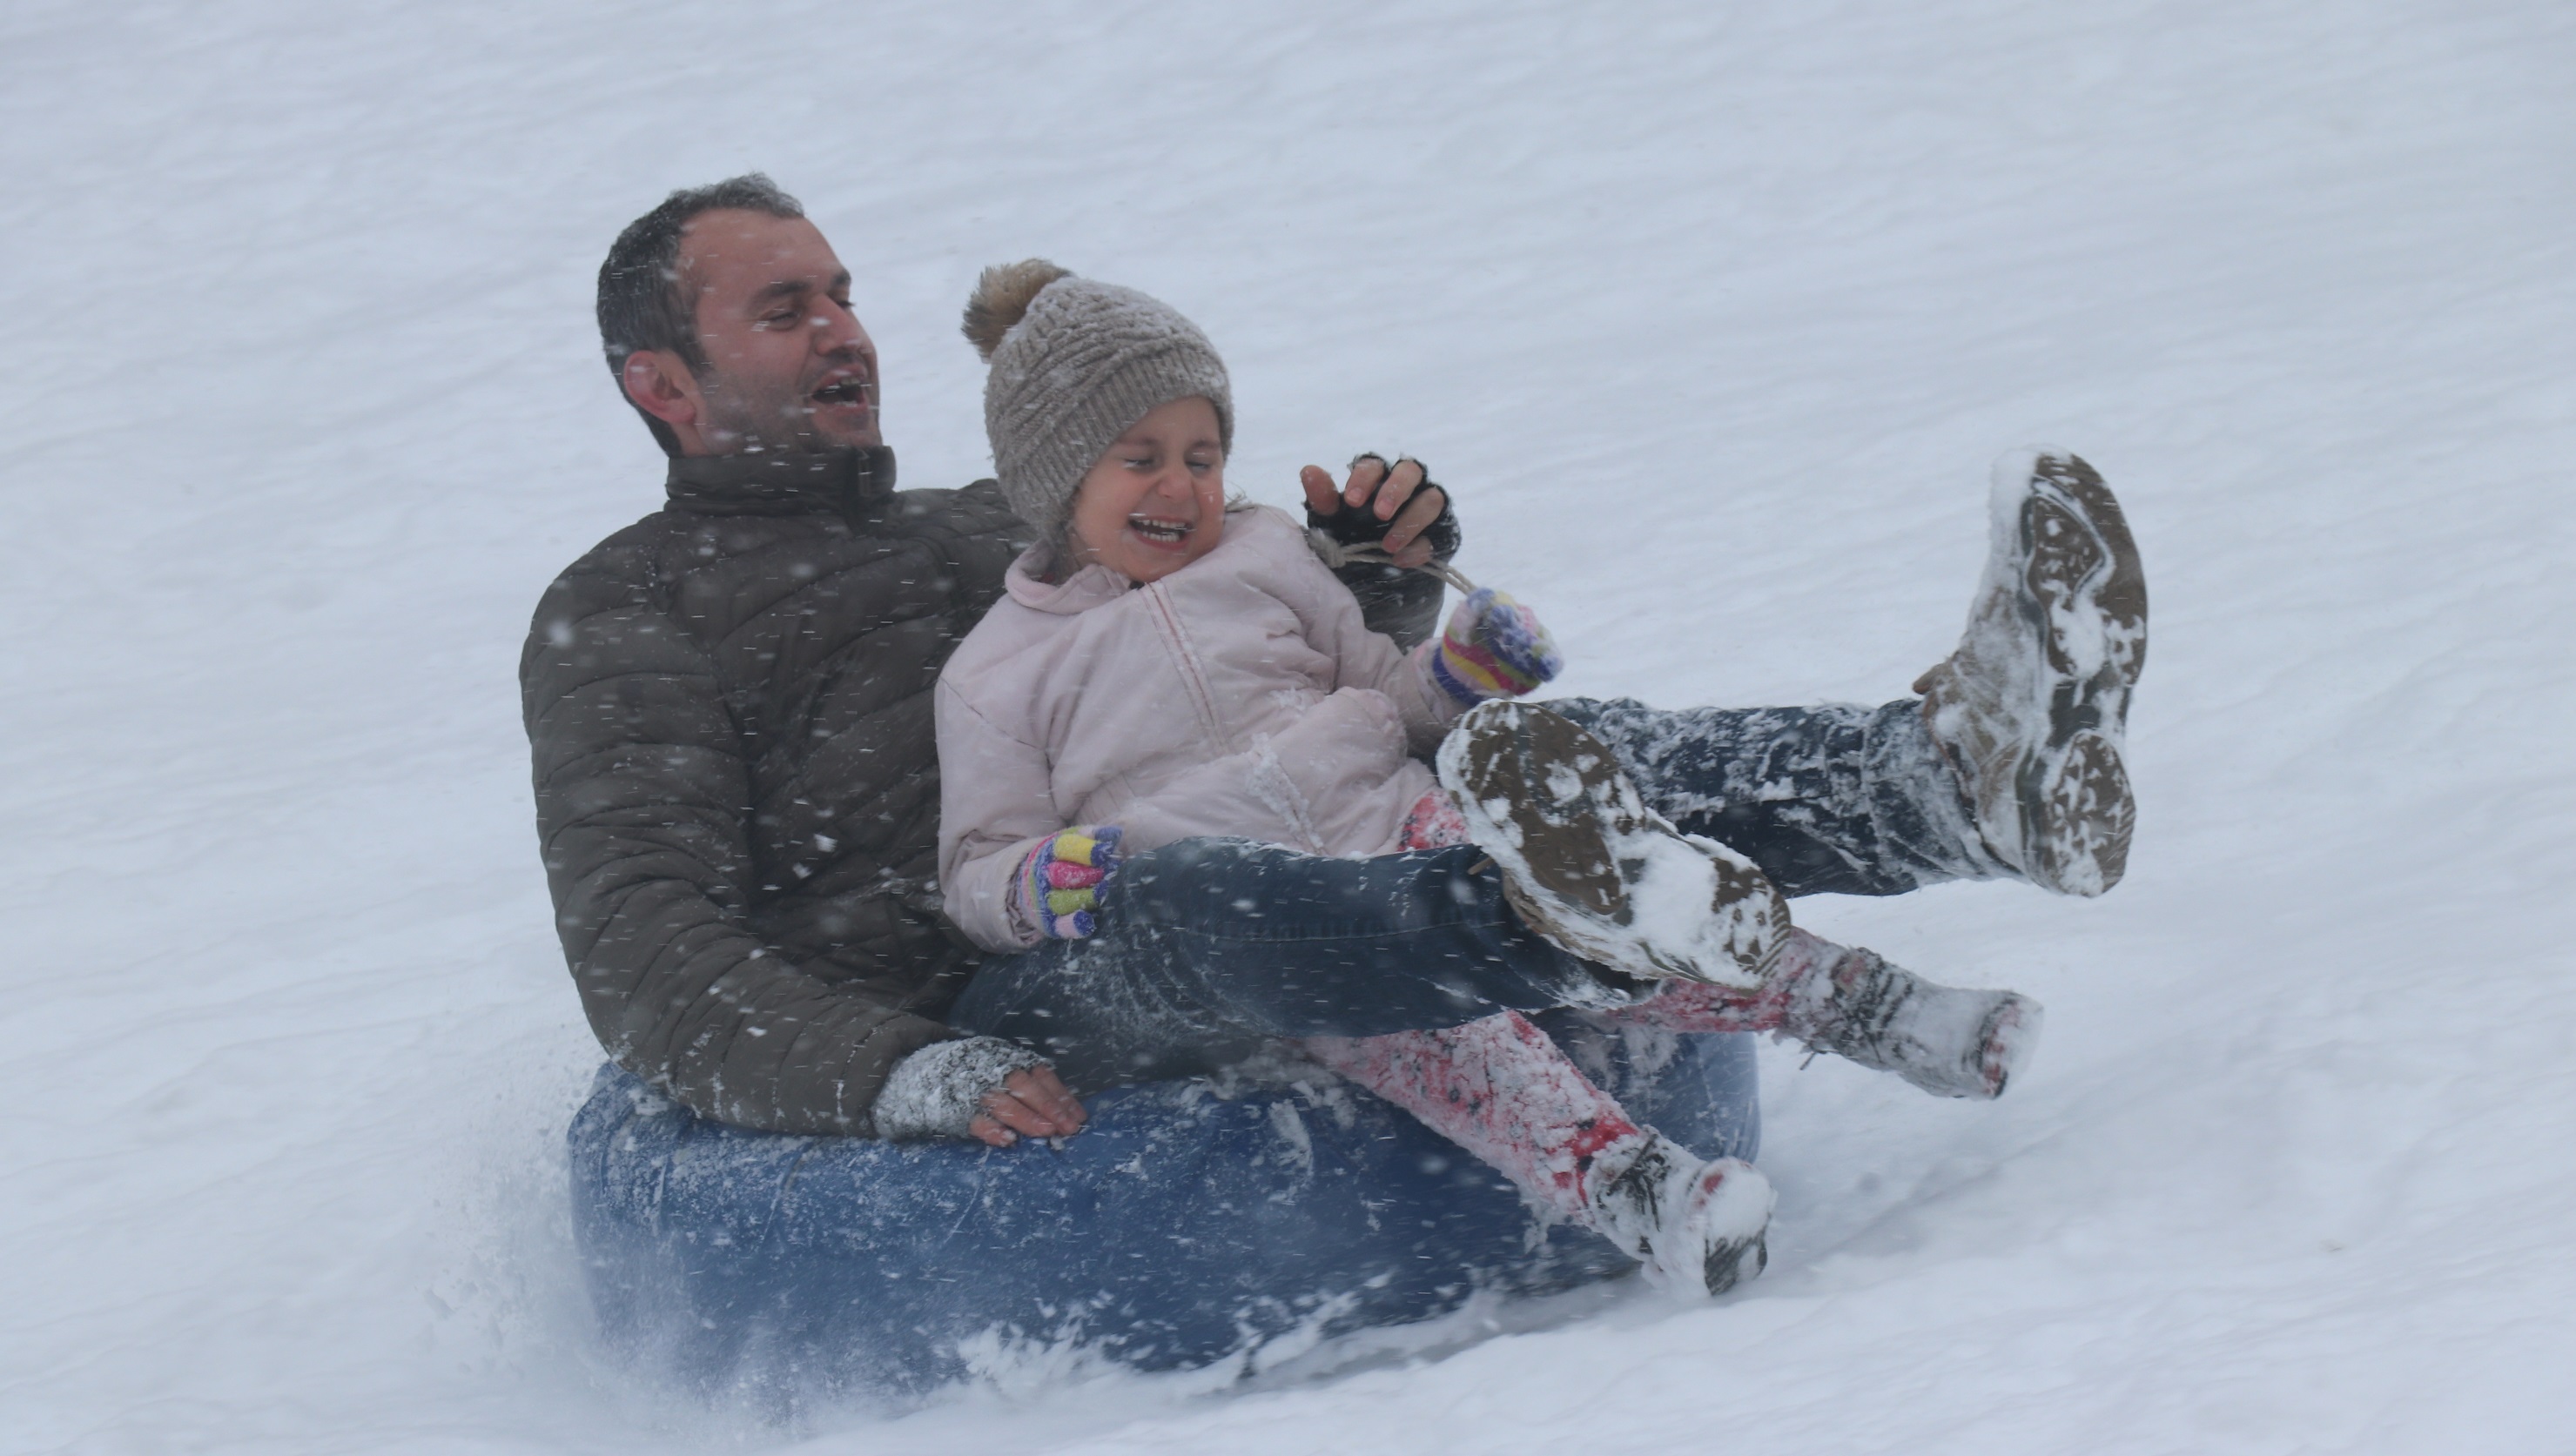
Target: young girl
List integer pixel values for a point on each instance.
(1167, 666)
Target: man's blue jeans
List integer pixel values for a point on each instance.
(1835, 800)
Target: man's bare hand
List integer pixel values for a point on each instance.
(1031, 1102)
(1386, 490)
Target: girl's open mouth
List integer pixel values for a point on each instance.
(1165, 534)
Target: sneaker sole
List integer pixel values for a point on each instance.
(1583, 856)
(1551, 784)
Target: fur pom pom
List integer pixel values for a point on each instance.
(1002, 297)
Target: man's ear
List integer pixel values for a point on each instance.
(662, 387)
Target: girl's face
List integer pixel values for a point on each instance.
(1155, 500)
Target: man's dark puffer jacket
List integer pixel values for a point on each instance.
(728, 704)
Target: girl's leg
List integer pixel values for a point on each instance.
(1499, 1088)
(1504, 1092)
(1852, 1002)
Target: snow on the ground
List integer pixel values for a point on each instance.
(1712, 313)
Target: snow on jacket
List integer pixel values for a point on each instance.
(1241, 695)
(728, 707)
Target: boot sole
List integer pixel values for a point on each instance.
(2085, 597)
(2078, 816)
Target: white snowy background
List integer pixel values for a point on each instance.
(1711, 312)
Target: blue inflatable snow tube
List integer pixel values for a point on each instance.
(1180, 1229)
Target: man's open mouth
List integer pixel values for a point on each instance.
(1161, 533)
(846, 389)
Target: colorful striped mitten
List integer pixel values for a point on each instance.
(1060, 881)
(1493, 648)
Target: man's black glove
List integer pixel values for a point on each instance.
(1359, 525)
(1402, 604)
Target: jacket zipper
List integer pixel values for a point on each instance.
(1185, 656)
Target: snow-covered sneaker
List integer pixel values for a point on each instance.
(2033, 707)
(1947, 1041)
(1697, 1226)
(1591, 868)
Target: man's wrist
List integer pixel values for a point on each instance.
(939, 1090)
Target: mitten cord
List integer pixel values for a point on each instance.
(1336, 554)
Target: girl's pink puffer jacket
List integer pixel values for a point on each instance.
(1237, 696)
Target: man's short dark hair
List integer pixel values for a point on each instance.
(642, 301)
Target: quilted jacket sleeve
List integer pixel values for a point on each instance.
(993, 808)
(642, 794)
(1403, 605)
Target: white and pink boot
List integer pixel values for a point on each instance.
(1503, 1091)
(1948, 1041)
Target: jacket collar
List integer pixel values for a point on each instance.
(848, 479)
(1092, 586)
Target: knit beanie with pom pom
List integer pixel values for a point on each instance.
(1074, 364)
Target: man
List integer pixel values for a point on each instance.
(729, 701)
(728, 706)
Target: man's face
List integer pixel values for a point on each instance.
(788, 366)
